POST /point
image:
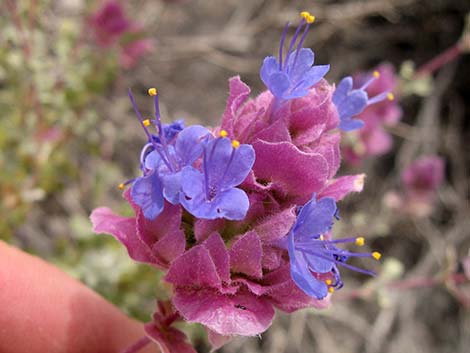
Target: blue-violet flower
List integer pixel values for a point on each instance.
(313, 257)
(351, 101)
(212, 193)
(293, 77)
(162, 160)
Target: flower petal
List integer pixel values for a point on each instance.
(315, 218)
(189, 144)
(301, 274)
(303, 60)
(147, 193)
(269, 67)
(279, 84)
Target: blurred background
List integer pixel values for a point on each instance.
(68, 138)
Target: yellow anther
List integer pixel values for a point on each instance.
(331, 290)
(328, 282)
(305, 15)
(390, 96)
(121, 186)
(235, 144)
(359, 241)
(223, 133)
(322, 237)
(310, 19)
(146, 122)
(152, 91)
(376, 74)
(376, 255)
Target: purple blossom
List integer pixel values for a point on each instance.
(351, 101)
(313, 257)
(109, 23)
(423, 176)
(162, 160)
(373, 139)
(212, 193)
(170, 160)
(292, 77)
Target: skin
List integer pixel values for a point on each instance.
(42, 309)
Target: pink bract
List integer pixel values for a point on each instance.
(156, 242)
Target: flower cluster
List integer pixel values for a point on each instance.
(111, 27)
(240, 216)
(371, 139)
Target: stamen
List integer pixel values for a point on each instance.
(331, 290)
(230, 160)
(299, 46)
(374, 77)
(339, 252)
(223, 133)
(328, 282)
(123, 185)
(281, 44)
(152, 91)
(376, 255)
(235, 144)
(359, 241)
(304, 14)
(149, 136)
(390, 96)
(172, 162)
(146, 122)
(293, 40)
(378, 98)
(345, 265)
(321, 240)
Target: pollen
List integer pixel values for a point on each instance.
(305, 15)
(376, 74)
(310, 19)
(223, 133)
(359, 241)
(328, 282)
(390, 96)
(146, 122)
(121, 186)
(235, 144)
(331, 290)
(152, 91)
(376, 255)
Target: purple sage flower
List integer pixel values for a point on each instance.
(292, 77)
(212, 193)
(162, 160)
(314, 258)
(351, 101)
